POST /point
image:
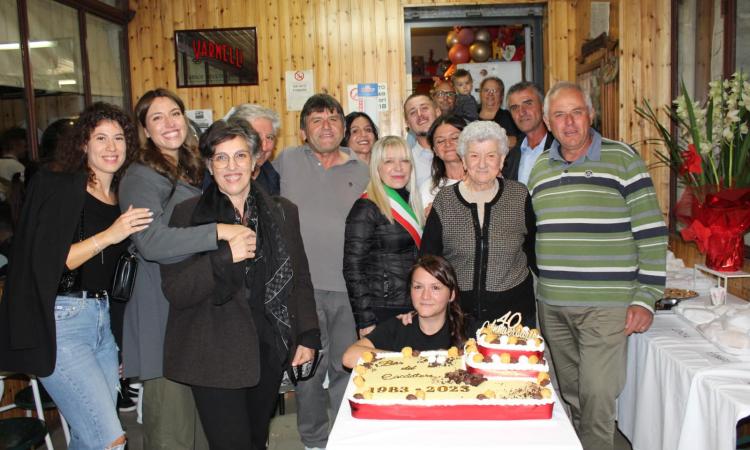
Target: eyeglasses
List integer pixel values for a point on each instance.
(304, 371)
(441, 142)
(491, 91)
(445, 94)
(243, 158)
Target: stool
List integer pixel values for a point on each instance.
(24, 399)
(30, 399)
(21, 433)
(34, 398)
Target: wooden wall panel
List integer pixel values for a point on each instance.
(350, 41)
(561, 39)
(343, 41)
(645, 73)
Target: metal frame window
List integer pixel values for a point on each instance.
(117, 15)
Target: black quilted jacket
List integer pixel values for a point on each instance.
(377, 258)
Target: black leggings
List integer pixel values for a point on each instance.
(239, 418)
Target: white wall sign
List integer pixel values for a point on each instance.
(299, 87)
(203, 118)
(370, 98)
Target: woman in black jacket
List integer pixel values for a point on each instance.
(383, 234)
(55, 311)
(242, 313)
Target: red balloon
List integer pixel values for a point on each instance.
(494, 31)
(459, 54)
(466, 36)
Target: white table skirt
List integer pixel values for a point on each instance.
(364, 434)
(682, 393)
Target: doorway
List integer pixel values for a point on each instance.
(486, 40)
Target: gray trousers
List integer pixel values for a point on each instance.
(337, 333)
(170, 420)
(589, 352)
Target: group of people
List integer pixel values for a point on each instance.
(249, 268)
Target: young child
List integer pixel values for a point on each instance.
(466, 104)
(437, 324)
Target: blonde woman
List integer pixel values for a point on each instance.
(383, 235)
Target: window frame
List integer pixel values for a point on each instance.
(118, 16)
(729, 61)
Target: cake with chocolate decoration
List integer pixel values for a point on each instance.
(503, 364)
(437, 385)
(506, 336)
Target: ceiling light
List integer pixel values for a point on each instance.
(32, 44)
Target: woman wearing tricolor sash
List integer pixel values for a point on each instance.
(383, 236)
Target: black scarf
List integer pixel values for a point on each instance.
(264, 218)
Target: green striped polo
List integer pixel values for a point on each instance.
(601, 239)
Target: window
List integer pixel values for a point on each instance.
(75, 54)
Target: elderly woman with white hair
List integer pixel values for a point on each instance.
(485, 227)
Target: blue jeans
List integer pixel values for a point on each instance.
(85, 381)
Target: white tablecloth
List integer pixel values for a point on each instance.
(349, 433)
(682, 393)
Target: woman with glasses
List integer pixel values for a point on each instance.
(437, 321)
(382, 236)
(491, 94)
(167, 171)
(242, 313)
(447, 168)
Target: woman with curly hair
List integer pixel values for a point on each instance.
(55, 306)
(168, 170)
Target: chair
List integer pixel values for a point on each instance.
(21, 433)
(31, 399)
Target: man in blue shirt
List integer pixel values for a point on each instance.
(525, 104)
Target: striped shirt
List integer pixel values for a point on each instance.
(601, 239)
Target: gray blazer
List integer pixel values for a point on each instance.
(146, 312)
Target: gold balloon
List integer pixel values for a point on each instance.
(451, 39)
(482, 35)
(480, 51)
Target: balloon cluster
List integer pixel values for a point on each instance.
(476, 45)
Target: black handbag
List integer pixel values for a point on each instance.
(70, 280)
(124, 278)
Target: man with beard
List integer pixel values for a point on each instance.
(420, 112)
(445, 96)
(323, 179)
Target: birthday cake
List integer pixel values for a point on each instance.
(507, 336)
(436, 385)
(504, 364)
(505, 348)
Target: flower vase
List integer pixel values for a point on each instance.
(726, 252)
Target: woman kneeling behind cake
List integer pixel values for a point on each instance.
(437, 324)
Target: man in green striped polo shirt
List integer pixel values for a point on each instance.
(601, 250)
